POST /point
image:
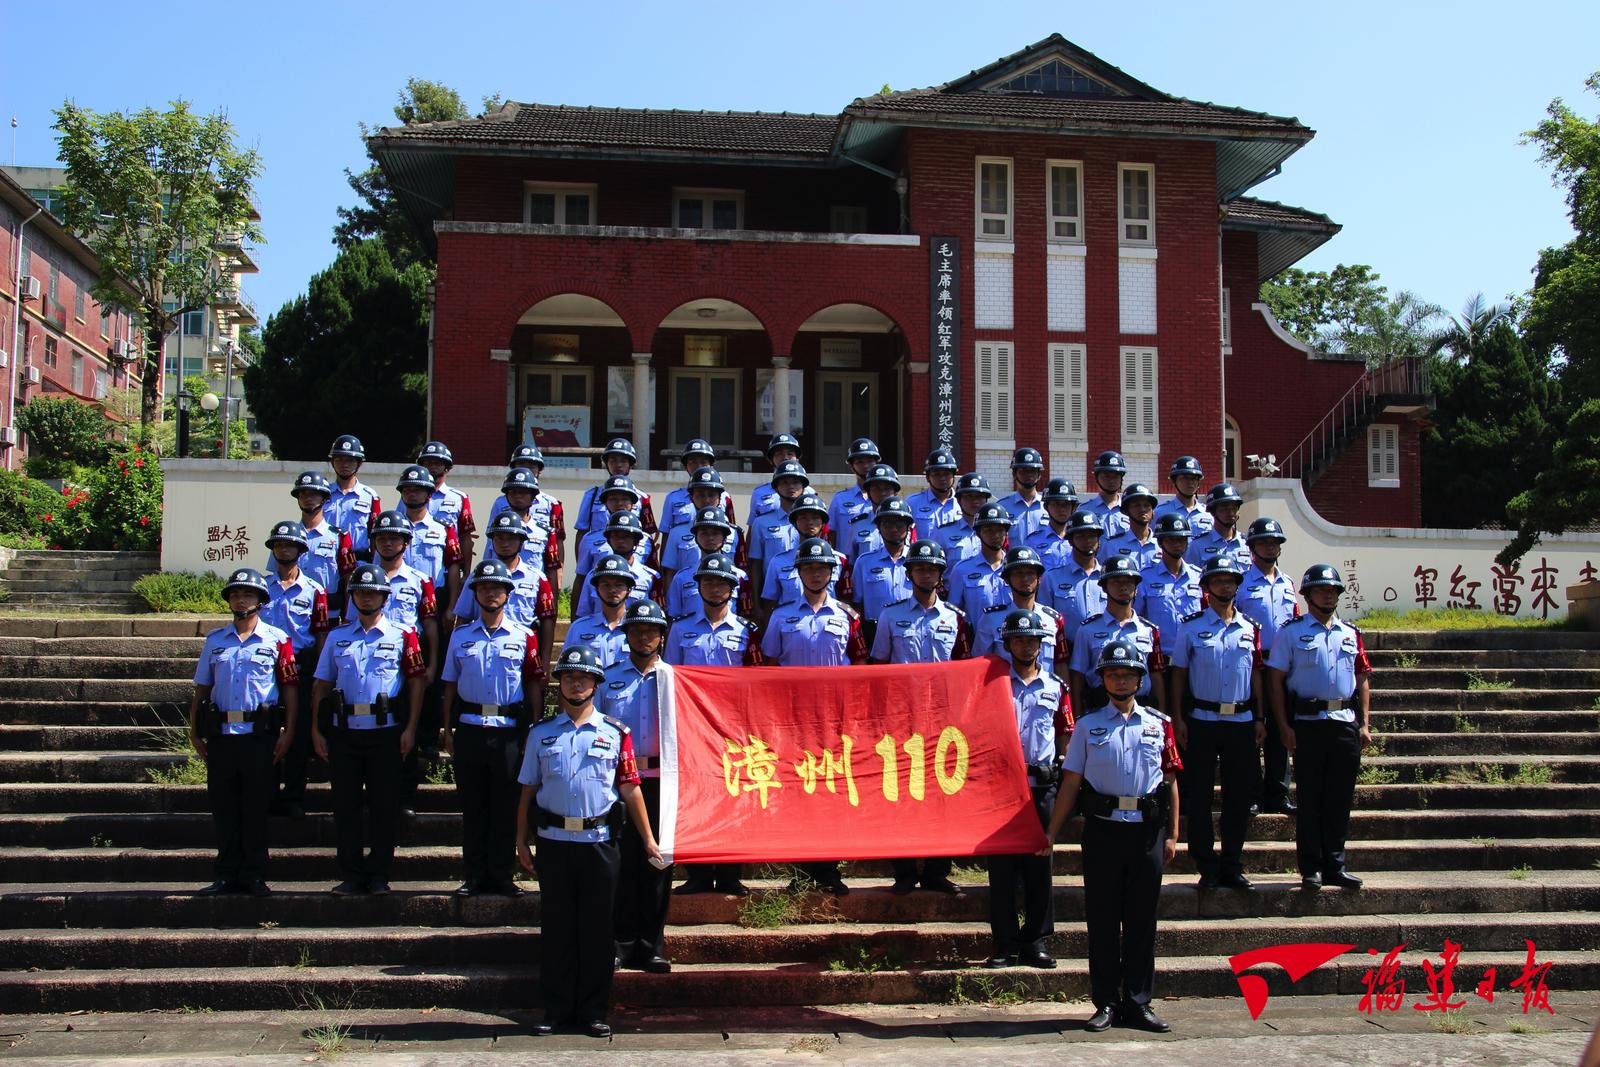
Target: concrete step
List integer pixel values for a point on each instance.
(1466, 678)
(1482, 742)
(163, 830)
(173, 905)
(96, 667)
(1391, 699)
(186, 649)
(166, 690)
(76, 585)
(1503, 638)
(925, 945)
(85, 739)
(1484, 720)
(107, 602)
(720, 984)
(145, 625)
(87, 555)
(27, 712)
(1489, 769)
(438, 862)
(1480, 658)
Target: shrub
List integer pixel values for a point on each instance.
(22, 541)
(23, 502)
(182, 591)
(124, 498)
(63, 431)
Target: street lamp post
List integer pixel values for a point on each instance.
(184, 399)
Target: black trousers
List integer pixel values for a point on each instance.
(1232, 745)
(1275, 778)
(718, 873)
(1033, 875)
(934, 869)
(1122, 866)
(1327, 757)
(643, 893)
(487, 761)
(577, 893)
(291, 780)
(429, 722)
(239, 787)
(364, 766)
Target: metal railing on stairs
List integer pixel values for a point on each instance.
(1404, 379)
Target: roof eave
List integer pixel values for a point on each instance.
(936, 119)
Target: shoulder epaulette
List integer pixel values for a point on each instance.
(1062, 682)
(1163, 716)
(218, 630)
(621, 726)
(1047, 611)
(995, 607)
(897, 603)
(957, 608)
(947, 522)
(849, 610)
(680, 618)
(1196, 615)
(748, 624)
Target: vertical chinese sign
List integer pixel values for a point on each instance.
(944, 335)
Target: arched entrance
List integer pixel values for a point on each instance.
(707, 361)
(557, 372)
(848, 372)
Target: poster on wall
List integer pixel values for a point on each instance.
(553, 426)
(797, 401)
(619, 400)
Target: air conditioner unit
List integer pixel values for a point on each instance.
(31, 289)
(33, 376)
(5, 359)
(8, 436)
(122, 349)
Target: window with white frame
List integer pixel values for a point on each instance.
(995, 393)
(708, 209)
(1064, 200)
(1136, 203)
(1227, 321)
(1383, 455)
(1069, 394)
(1230, 449)
(552, 204)
(1141, 416)
(993, 199)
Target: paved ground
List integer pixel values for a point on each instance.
(1309, 1030)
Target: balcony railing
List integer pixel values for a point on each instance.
(1405, 380)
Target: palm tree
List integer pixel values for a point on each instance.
(1464, 336)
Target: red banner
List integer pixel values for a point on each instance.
(820, 763)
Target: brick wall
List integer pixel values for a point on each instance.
(1343, 496)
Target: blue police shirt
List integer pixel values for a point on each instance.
(1270, 602)
(351, 510)
(780, 579)
(1208, 545)
(450, 506)
(771, 533)
(1100, 631)
(958, 538)
(592, 631)
(487, 667)
(1200, 520)
(928, 511)
(426, 552)
(678, 509)
(1027, 516)
(1320, 663)
(1166, 599)
(1124, 543)
(1123, 756)
(879, 580)
(1220, 658)
(975, 584)
(683, 591)
(321, 561)
(1055, 549)
(634, 698)
(846, 505)
(576, 769)
(241, 671)
(530, 602)
(407, 603)
(595, 544)
(1073, 591)
(1054, 647)
(910, 633)
(364, 665)
(695, 641)
(644, 583)
(290, 609)
(862, 535)
(1038, 705)
(1110, 515)
(799, 635)
(680, 549)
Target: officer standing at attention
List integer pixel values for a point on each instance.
(578, 775)
(1050, 540)
(1044, 722)
(624, 537)
(1223, 501)
(1216, 687)
(492, 671)
(712, 532)
(1023, 571)
(365, 666)
(630, 695)
(352, 506)
(770, 532)
(956, 534)
(298, 605)
(881, 483)
(532, 603)
(878, 577)
(617, 494)
(1109, 471)
(848, 503)
(1134, 540)
(541, 547)
(602, 631)
(1267, 596)
(780, 581)
(1123, 759)
(678, 507)
(450, 506)
(1025, 505)
(435, 547)
(1187, 477)
(977, 583)
(330, 554)
(543, 511)
(1120, 583)
(413, 604)
(933, 505)
(618, 459)
(246, 670)
(679, 548)
(1072, 587)
(783, 448)
(1169, 588)
(1320, 678)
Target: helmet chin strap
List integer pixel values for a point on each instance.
(1121, 602)
(389, 557)
(1220, 598)
(240, 616)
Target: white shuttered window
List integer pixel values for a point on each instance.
(1383, 455)
(995, 393)
(1069, 394)
(1141, 417)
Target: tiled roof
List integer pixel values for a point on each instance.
(1030, 109)
(532, 125)
(1248, 210)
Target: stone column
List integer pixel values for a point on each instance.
(780, 394)
(641, 409)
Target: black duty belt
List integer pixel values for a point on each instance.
(1150, 806)
(573, 822)
(1241, 710)
(1309, 708)
(379, 708)
(1042, 774)
(260, 719)
(517, 713)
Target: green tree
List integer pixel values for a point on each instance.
(152, 192)
(63, 433)
(349, 355)
(1347, 310)
(205, 427)
(1564, 315)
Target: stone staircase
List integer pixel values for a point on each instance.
(1478, 821)
(75, 581)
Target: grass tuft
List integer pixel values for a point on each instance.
(189, 772)
(1450, 1022)
(1453, 619)
(1477, 683)
(864, 962)
(1521, 873)
(182, 591)
(1371, 774)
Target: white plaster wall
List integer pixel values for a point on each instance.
(1064, 277)
(992, 291)
(1136, 294)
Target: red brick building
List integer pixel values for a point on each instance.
(1058, 251)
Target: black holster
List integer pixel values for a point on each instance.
(1152, 806)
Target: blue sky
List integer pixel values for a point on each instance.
(1418, 107)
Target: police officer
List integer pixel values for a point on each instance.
(630, 695)
(848, 503)
(545, 510)
(602, 632)
(619, 459)
(1050, 539)
(617, 494)
(679, 549)
(1223, 502)
(246, 670)
(770, 532)
(541, 548)
(976, 582)
(578, 776)
(330, 553)
(956, 533)
(1187, 477)
(413, 604)
(1072, 587)
(447, 504)
(1109, 471)
(532, 602)
(678, 507)
(298, 605)
(1320, 678)
(1123, 761)
(1169, 588)
(783, 448)
(1267, 596)
(712, 533)
(362, 729)
(1023, 571)
(937, 503)
(624, 536)
(881, 483)
(1025, 505)
(878, 577)
(1216, 683)
(352, 506)
(1120, 583)
(435, 547)
(780, 582)
(492, 671)
(1134, 540)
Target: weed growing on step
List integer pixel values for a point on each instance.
(1463, 724)
(969, 874)
(442, 772)
(1428, 776)
(1533, 774)
(1477, 683)
(864, 962)
(1477, 774)
(1408, 661)
(190, 1009)
(1452, 619)
(1596, 705)
(328, 1039)
(814, 1043)
(764, 909)
(1450, 1022)
(270, 924)
(985, 989)
(189, 772)
(1376, 747)
(100, 841)
(1517, 1026)
(305, 960)
(1521, 873)
(1484, 841)
(1374, 775)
